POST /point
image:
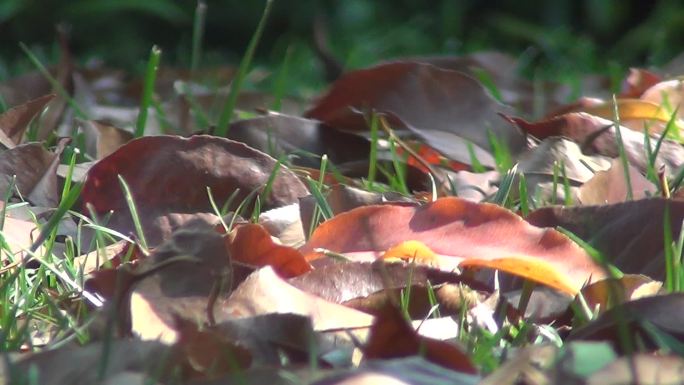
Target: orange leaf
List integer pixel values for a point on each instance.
(252, 244)
(454, 230)
(533, 269)
(412, 251)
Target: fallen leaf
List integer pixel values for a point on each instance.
(598, 136)
(184, 277)
(429, 101)
(607, 227)
(15, 121)
(610, 186)
(342, 282)
(170, 174)
(391, 336)
(103, 139)
(605, 294)
(264, 292)
(342, 198)
(251, 244)
(57, 366)
(534, 269)
(284, 224)
(662, 312)
(208, 353)
(28, 162)
(288, 136)
(272, 337)
(400, 371)
(455, 230)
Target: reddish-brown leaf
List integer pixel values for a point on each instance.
(252, 244)
(170, 174)
(455, 230)
(208, 353)
(392, 337)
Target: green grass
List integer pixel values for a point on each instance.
(31, 296)
(243, 69)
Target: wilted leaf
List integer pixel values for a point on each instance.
(455, 230)
(557, 158)
(526, 365)
(89, 262)
(534, 269)
(284, 224)
(28, 162)
(630, 109)
(668, 93)
(342, 198)
(18, 234)
(46, 192)
(208, 352)
(170, 174)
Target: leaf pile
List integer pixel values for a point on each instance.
(406, 225)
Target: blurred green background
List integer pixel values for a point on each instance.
(551, 38)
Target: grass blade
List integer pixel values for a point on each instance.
(229, 107)
(56, 85)
(621, 150)
(148, 90)
(197, 35)
(134, 213)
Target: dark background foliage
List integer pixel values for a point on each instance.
(551, 37)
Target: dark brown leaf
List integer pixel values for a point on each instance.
(629, 234)
(15, 121)
(433, 103)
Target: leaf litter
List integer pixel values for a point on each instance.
(309, 246)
